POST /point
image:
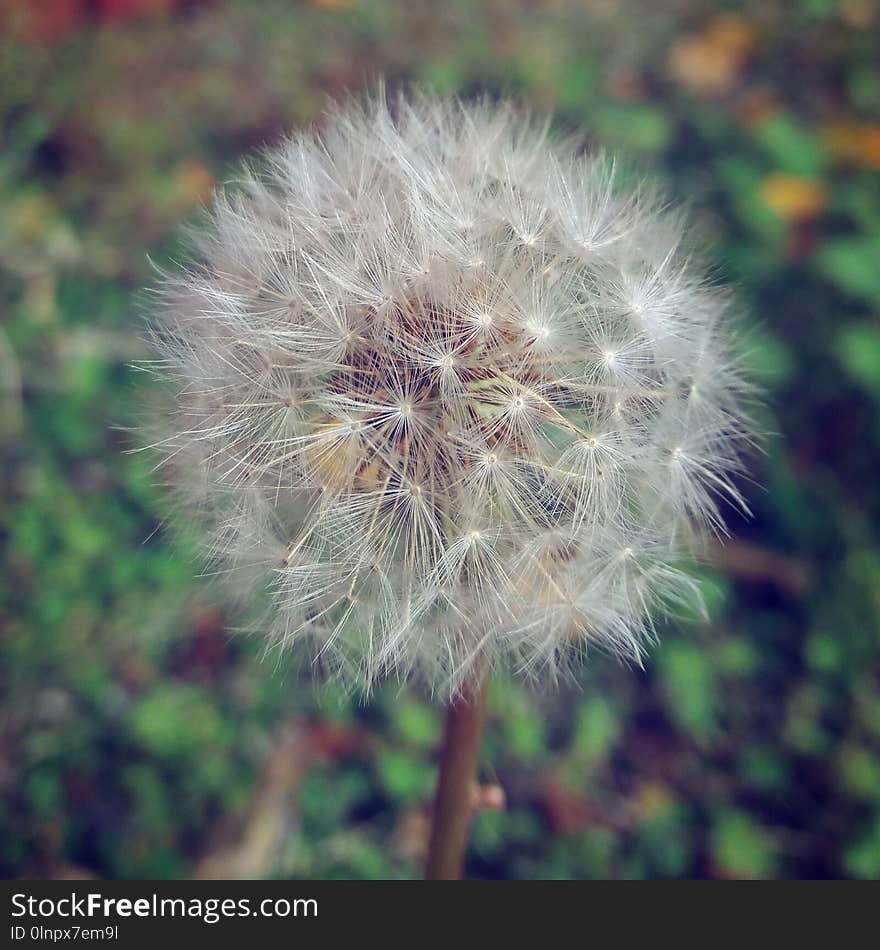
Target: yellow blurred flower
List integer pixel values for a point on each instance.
(652, 798)
(792, 197)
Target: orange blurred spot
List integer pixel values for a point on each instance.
(195, 181)
(868, 145)
(711, 60)
(852, 141)
(792, 197)
(733, 33)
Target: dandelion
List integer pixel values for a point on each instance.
(452, 393)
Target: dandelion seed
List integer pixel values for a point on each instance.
(450, 391)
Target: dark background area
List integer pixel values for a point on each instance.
(140, 736)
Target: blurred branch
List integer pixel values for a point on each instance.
(755, 564)
(254, 846)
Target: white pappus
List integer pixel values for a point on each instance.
(451, 391)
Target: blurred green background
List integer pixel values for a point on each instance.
(140, 736)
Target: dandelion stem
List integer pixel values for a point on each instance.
(456, 783)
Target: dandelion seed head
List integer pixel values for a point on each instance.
(450, 391)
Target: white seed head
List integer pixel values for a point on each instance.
(451, 392)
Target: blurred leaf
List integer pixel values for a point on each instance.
(804, 725)
(526, 733)
(859, 351)
(862, 858)
(328, 813)
(663, 819)
(635, 125)
(175, 719)
(737, 657)
(416, 722)
(864, 85)
(149, 792)
(441, 75)
(597, 729)
(741, 847)
(576, 83)
(860, 768)
(771, 361)
(793, 148)
(688, 682)
(853, 264)
(403, 776)
(764, 767)
(43, 791)
(824, 651)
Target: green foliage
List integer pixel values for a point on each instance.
(597, 729)
(403, 777)
(791, 146)
(143, 735)
(862, 858)
(859, 346)
(853, 264)
(634, 126)
(741, 847)
(414, 722)
(177, 720)
(688, 681)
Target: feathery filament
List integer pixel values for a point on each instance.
(451, 392)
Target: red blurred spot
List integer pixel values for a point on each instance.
(121, 10)
(328, 740)
(566, 811)
(46, 21)
(41, 21)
